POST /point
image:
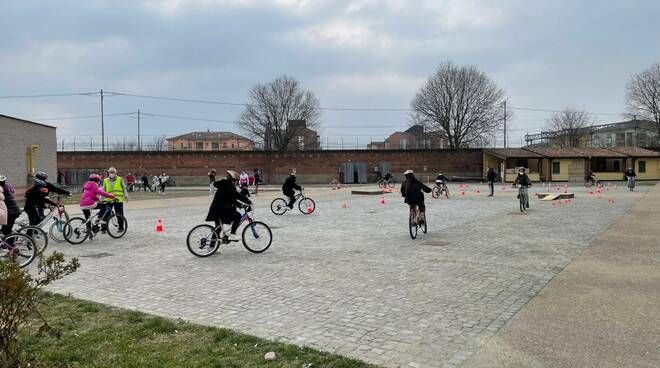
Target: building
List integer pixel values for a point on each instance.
(210, 141)
(414, 137)
(27, 148)
(572, 164)
(631, 133)
(303, 138)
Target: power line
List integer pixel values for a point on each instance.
(84, 116)
(50, 95)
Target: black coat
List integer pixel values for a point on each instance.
(53, 189)
(290, 184)
(10, 202)
(522, 180)
(491, 175)
(37, 196)
(411, 190)
(225, 201)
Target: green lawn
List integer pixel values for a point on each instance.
(95, 335)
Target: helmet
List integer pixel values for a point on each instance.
(231, 174)
(95, 177)
(40, 183)
(3, 178)
(408, 172)
(42, 175)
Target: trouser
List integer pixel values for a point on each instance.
(145, 186)
(11, 220)
(162, 187)
(119, 209)
(292, 198)
(35, 215)
(233, 218)
(422, 206)
(491, 186)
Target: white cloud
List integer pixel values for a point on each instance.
(341, 33)
(455, 15)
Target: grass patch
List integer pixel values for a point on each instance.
(94, 335)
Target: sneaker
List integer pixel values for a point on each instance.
(233, 237)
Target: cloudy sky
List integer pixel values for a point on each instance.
(355, 54)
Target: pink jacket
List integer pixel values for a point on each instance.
(3, 209)
(91, 193)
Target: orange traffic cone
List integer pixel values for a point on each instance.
(159, 226)
(310, 209)
(462, 193)
(382, 200)
(344, 204)
(478, 191)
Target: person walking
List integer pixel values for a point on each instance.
(115, 185)
(145, 182)
(211, 175)
(257, 180)
(490, 177)
(163, 178)
(630, 177)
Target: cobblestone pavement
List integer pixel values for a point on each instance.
(351, 280)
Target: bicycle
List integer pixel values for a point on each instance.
(415, 221)
(306, 205)
(17, 245)
(59, 216)
(523, 197)
(78, 229)
(589, 182)
(383, 183)
(204, 240)
(631, 183)
(440, 190)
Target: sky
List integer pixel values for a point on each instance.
(351, 54)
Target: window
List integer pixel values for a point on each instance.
(215, 146)
(403, 144)
(224, 144)
(301, 142)
(199, 145)
(556, 167)
(181, 145)
(642, 166)
(616, 166)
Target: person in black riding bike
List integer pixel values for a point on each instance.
(387, 176)
(51, 188)
(412, 190)
(590, 177)
(490, 177)
(288, 188)
(523, 180)
(441, 178)
(36, 199)
(225, 202)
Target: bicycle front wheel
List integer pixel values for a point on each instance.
(117, 226)
(56, 231)
(390, 184)
(257, 237)
(75, 230)
(381, 184)
(38, 235)
(306, 206)
(435, 193)
(203, 240)
(412, 223)
(20, 246)
(279, 206)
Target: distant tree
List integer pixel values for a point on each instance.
(643, 95)
(125, 145)
(569, 126)
(272, 105)
(159, 143)
(459, 102)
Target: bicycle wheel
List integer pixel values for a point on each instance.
(381, 184)
(20, 246)
(56, 231)
(117, 226)
(38, 235)
(279, 206)
(446, 190)
(306, 206)
(435, 193)
(257, 237)
(412, 223)
(75, 230)
(423, 225)
(203, 240)
(391, 183)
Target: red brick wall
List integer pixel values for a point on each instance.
(311, 166)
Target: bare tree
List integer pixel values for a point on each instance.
(643, 95)
(568, 127)
(125, 145)
(459, 102)
(159, 143)
(272, 105)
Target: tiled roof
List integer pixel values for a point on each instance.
(575, 152)
(635, 151)
(513, 153)
(208, 136)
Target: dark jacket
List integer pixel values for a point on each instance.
(144, 180)
(441, 177)
(411, 190)
(290, 184)
(53, 189)
(522, 180)
(10, 202)
(631, 173)
(225, 201)
(37, 196)
(491, 175)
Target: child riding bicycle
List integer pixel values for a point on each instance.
(524, 182)
(90, 199)
(225, 201)
(412, 190)
(288, 188)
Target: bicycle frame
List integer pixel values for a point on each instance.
(244, 217)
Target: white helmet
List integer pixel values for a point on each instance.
(231, 174)
(408, 172)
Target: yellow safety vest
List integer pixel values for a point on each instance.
(115, 190)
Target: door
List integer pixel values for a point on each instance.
(348, 169)
(361, 170)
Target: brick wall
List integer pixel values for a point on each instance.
(311, 166)
(15, 137)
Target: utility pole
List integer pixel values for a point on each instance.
(102, 125)
(139, 146)
(504, 103)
